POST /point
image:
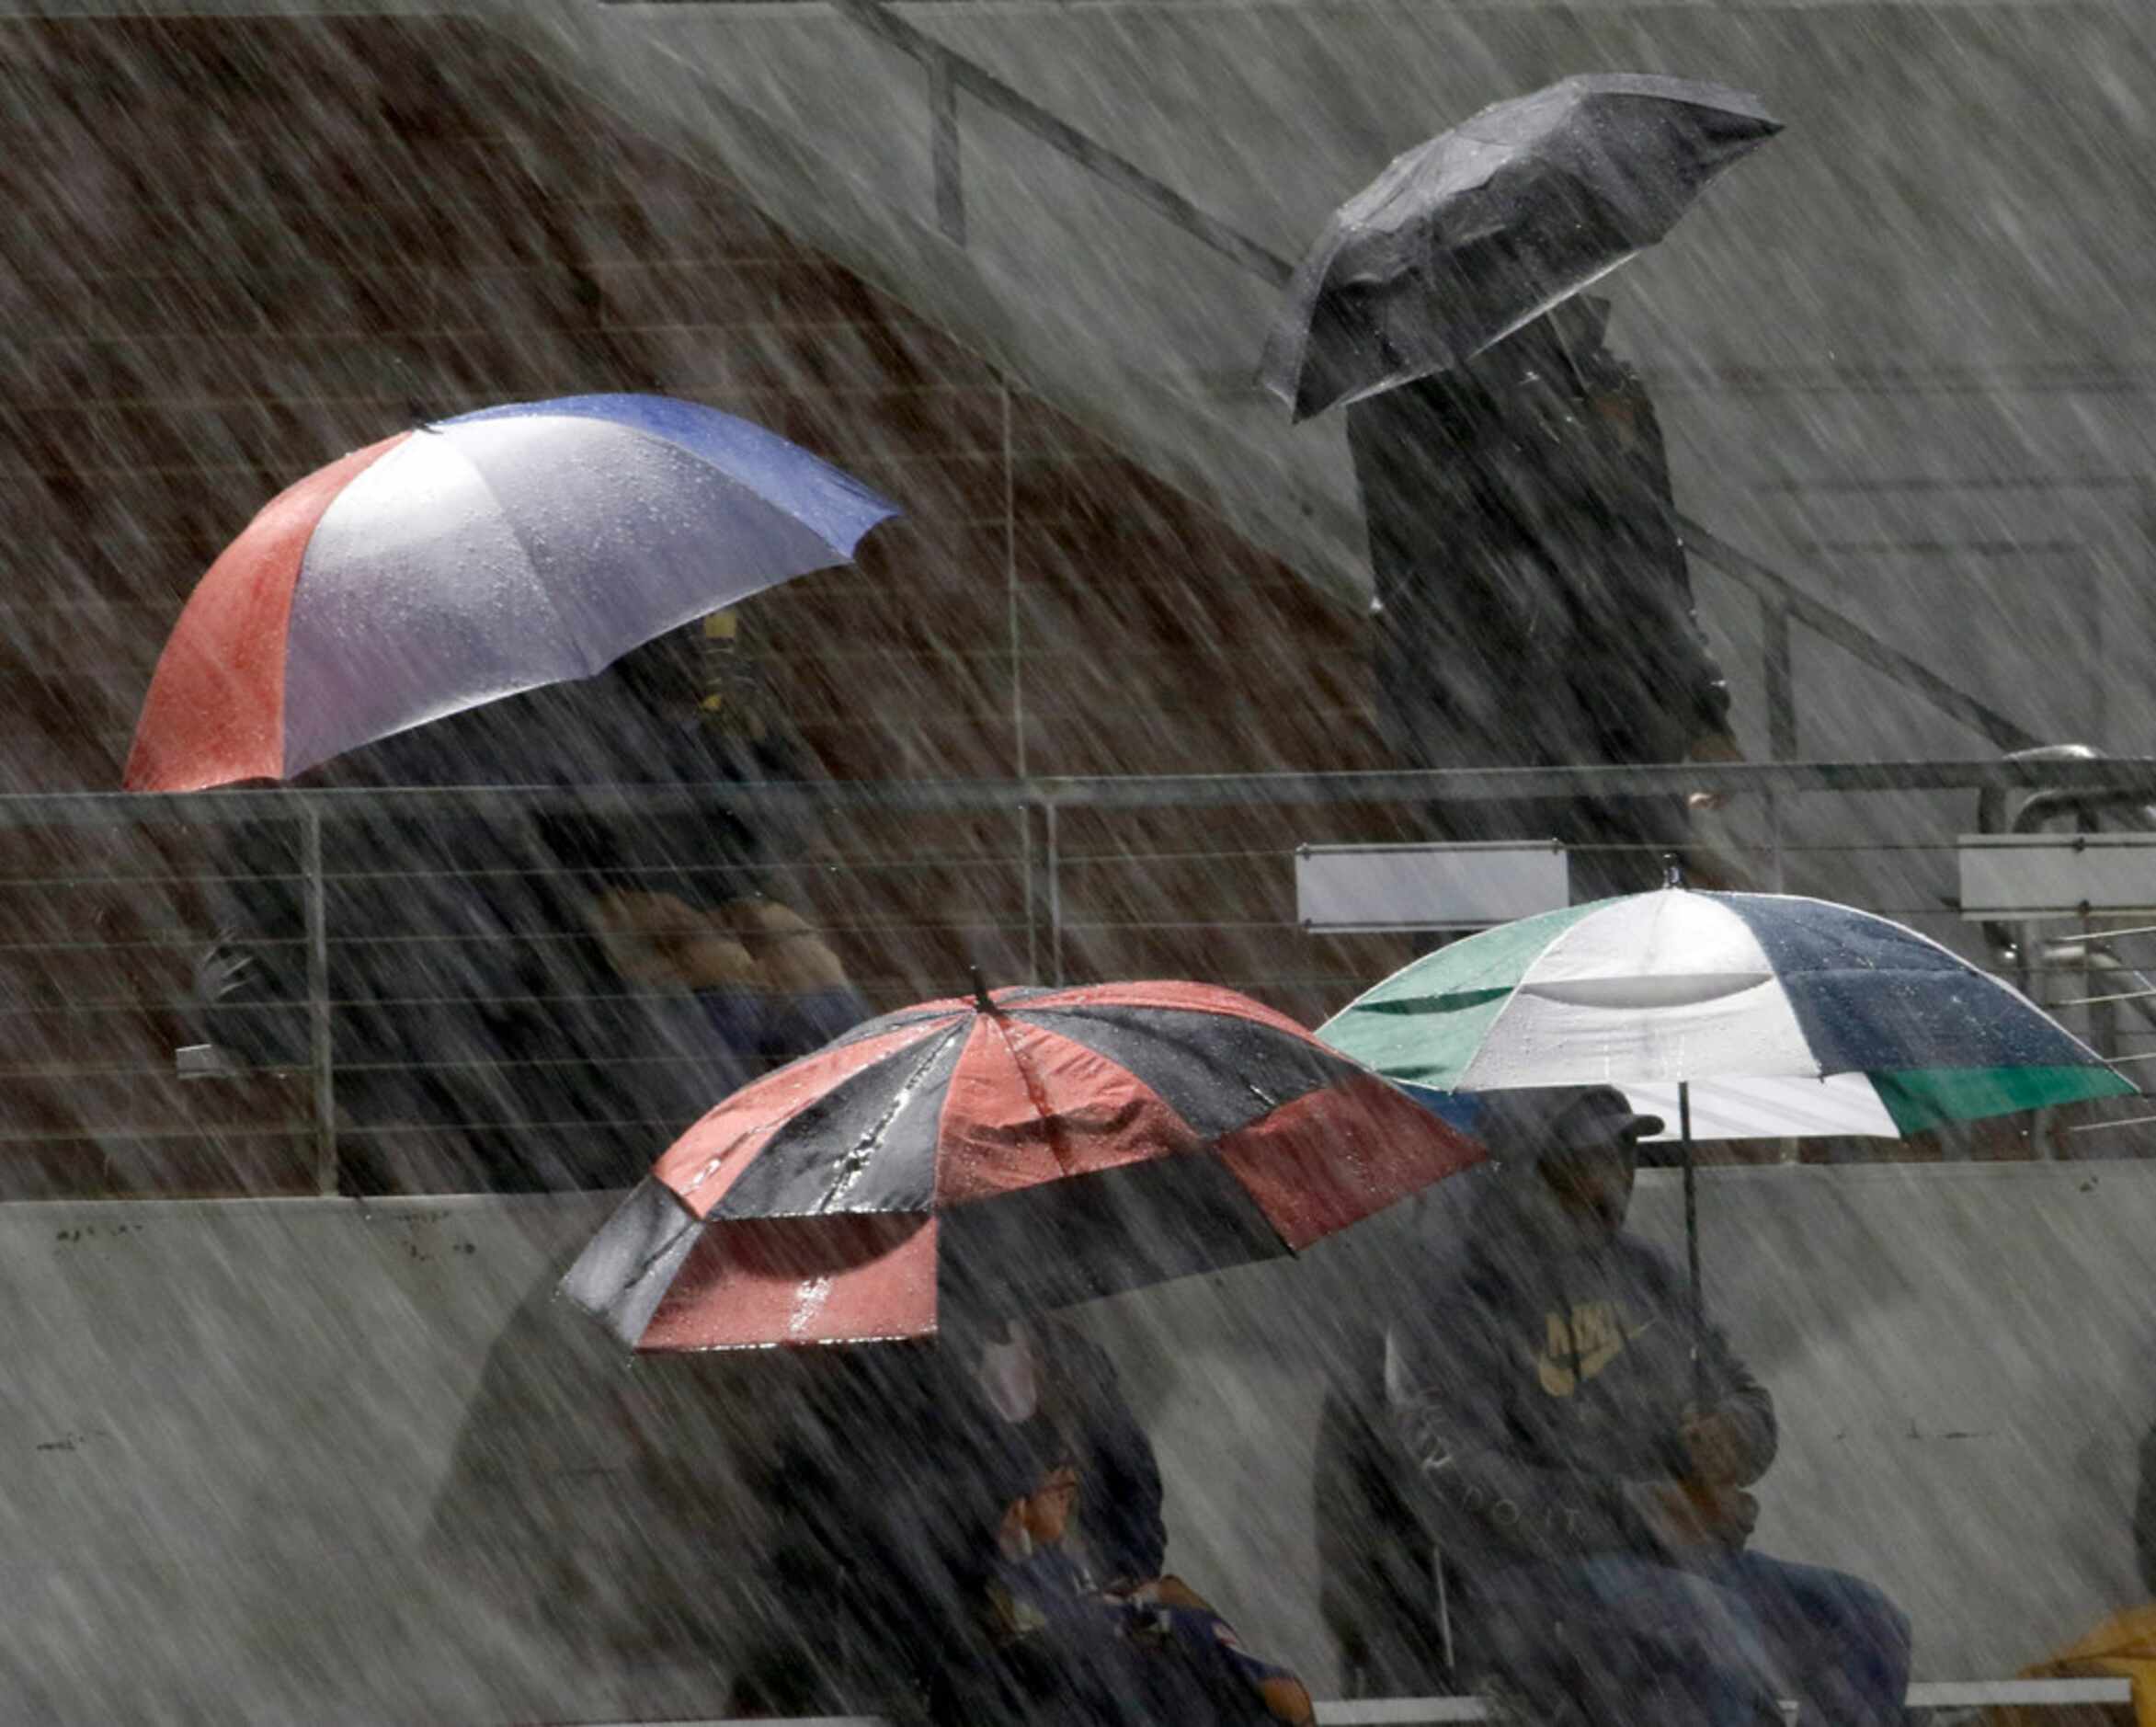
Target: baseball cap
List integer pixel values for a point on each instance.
(1539, 1122)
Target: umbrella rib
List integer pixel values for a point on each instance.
(857, 1158)
(1162, 1034)
(564, 631)
(657, 1255)
(1035, 1097)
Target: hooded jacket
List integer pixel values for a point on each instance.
(1539, 1386)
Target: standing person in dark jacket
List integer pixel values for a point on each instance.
(1543, 1392)
(1533, 604)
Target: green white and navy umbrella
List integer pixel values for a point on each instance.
(1781, 1016)
(1759, 1015)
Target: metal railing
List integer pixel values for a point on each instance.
(1081, 878)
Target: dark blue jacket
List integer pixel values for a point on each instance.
(1537, 1389)
(888, 1485)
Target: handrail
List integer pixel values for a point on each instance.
(2123, 774)
(1854, 638)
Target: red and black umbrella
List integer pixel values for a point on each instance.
(1043, 1146)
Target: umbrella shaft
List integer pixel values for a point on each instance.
(1691, 1245)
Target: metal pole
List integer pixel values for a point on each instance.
(1119, 171)
(1781, 698)
(2103, 1015)
(1191, 791)
(1034, 890)
(1049, 861)
(943, 150)
(1691, 1245)
(1851, 638)
(1780, 681)
(318, 1005)
(1778, 875)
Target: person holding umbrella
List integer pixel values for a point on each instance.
(1531, 601)
(494, 599)
(971, 1527)
(1533, 605)
(1581, 1456)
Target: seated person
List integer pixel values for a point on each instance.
(485, 1033)
(994, 1553)
(1063, 1648)
(547, 1028)
(771, 984)
(1542, 1389)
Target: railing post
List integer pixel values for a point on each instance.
(1031, 878)
(318, 1039)
(1778, 875)
(1779, 679)
(1044, 891)
(1778, 682)
(2103, 1015)
(943, 147)
(1779, 689)
(1051, 865)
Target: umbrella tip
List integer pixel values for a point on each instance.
(981, 999)
(1673, 871)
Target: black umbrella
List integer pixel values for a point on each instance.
(1468, 237)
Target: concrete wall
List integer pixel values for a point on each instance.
(233, 1425)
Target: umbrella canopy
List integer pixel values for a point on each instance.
(1780, 1015)
(1046, 1145)
(1463, 240)
(472, 559)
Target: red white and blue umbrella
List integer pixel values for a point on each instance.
(470, 559)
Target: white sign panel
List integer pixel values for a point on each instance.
(2057, 875)
(1346, 887)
